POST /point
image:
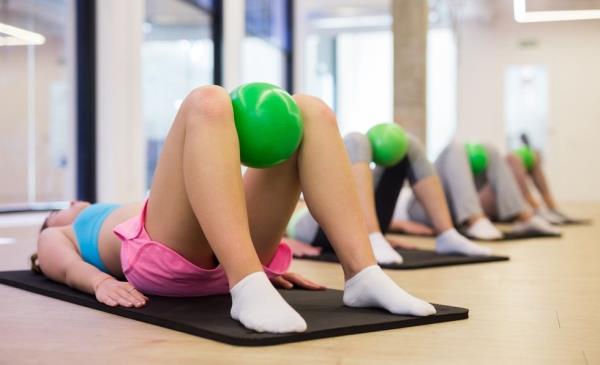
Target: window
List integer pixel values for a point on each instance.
(37, 133)
(441, 89)
(178, 55)
(348, 58)
(526, 104)
(266, 48)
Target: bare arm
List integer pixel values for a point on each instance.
(61, 262)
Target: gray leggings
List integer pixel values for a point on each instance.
(304, 227)
(462, 188)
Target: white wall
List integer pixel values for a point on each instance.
(571, 52)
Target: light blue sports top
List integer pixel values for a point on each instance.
(87, 229)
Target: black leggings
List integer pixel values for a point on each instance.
(386, 195)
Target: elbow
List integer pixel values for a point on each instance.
(49, 258)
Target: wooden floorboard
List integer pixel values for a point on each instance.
(539, 308)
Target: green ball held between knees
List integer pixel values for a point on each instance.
(478, 157)
(389, 143)
(527, 156)
(268, 123)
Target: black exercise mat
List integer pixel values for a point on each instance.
(513, 236)
(576, 222)
(397, 231)
(507, 236)
(208, 317)
(417, 259)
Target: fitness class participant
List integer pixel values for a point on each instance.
(526, 164)
(479, 184)
(207, 230)
(399, 156)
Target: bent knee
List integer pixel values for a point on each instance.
(455, 147)
(512, 159)
(315, 109)
(358, 147)
(210, 102)
(492, 152)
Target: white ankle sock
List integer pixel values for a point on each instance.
(453, 242)
(550, 216)
(258, 305)
(484, 229)
(373, 288)
(384, 252)
(535, 224)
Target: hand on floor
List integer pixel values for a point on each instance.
(114, 293)
(290, 280)
(302, 249)
(400, 243)
(410, 227)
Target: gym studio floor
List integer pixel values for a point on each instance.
(541, 307)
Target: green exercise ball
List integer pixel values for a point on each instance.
(527, 156)
(478, 157)
(389, 143)
(268, 123)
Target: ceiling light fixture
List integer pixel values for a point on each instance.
(524, 16)
(14, 36)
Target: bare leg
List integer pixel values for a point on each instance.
(539, 179)
(521, 176)
(197, 194)
(271, 196)
(323, 162)
(322, 168)
(526, 221)
(197, 207)
(363, 177)
(431, 195)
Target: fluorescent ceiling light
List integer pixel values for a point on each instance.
(524, 16)
(13, 36)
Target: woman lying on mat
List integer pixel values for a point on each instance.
(400, 157)
(207, 230)
(478, 184)
(526, 164)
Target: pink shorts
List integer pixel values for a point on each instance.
(156, 269)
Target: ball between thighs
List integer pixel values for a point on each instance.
(527, 156)
(478, 157)
(268, 123)
(389, 143)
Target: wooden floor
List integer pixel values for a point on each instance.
(542, 307)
